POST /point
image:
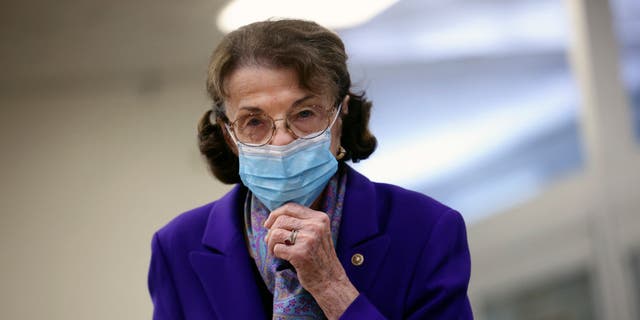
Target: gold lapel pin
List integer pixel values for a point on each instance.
(357, 259)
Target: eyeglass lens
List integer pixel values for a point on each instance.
(258, 127)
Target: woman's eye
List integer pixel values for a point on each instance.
(251, 121)
(305, 114)
(254, 122)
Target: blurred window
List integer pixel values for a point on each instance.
(474, 100)
(626, 16)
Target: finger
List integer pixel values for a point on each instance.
(294, 254)
(276, 236)
(287, 222)
(283, 251)
(291, 209)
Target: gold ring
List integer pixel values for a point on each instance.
(292, 238)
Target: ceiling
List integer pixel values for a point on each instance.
(70, 40)
(46, 42)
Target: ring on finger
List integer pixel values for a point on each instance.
(292, 238)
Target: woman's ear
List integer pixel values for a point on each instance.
(345, 105)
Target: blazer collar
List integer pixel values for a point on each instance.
(359, 221)
(224, 228)
(227, 271)
(360, 235)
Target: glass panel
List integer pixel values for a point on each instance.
(473, 99)
(626, 16)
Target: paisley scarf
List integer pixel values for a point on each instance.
(290, 299)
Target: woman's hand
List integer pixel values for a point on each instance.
(313, 255)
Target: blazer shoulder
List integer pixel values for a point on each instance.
(411, 211)
(187, 230)
(397, 204)
(188, 219)
(409, 199)
(187, 225)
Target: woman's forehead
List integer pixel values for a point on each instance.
(252, 80)
(256, 86)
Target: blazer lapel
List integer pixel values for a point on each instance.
(226, 271)
(361, 249)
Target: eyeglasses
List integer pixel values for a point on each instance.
(303, 122)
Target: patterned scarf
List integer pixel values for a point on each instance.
(290, 299)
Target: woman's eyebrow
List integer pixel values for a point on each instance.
(295, 103)
(303, 99)
(251, 109)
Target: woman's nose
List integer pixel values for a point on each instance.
(282, 136)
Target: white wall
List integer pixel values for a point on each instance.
(87, 175)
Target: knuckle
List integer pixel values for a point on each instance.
(290, 221)
(284, 222)
(280, 251)
(279, 234)
(313, 228)
(275, 213)
(324, 219)
(280, 221)
(277, 249)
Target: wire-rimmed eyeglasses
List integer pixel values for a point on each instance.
(256, 128)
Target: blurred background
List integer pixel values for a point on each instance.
(522, 114)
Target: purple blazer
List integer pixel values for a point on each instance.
(416, 259)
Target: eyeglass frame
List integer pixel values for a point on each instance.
(231, 125)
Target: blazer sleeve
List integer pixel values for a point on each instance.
(362, 308)
(166, 304)
(440, 279)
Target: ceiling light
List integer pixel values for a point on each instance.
(333, 14)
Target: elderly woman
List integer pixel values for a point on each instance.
(302, 235)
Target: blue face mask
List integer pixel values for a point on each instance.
(296, 172)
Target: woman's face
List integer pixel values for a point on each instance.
(275, 92)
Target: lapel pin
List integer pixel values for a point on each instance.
(357, 259)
